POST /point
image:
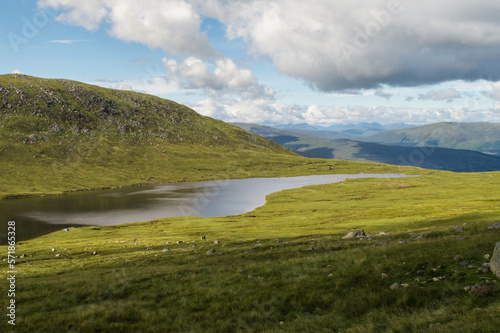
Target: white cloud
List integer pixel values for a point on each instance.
(16, 71)
(332, 45)
(337, 45)
(171, 25)
(226, 78)
(440, 95)
(495, 91)
(65, 41)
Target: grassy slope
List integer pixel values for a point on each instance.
(430, 158)
(483, 137)
(60, 135)
(310, 279)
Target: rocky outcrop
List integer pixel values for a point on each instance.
(495, 261)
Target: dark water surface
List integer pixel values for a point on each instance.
(38, 216)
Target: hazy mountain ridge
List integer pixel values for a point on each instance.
(480, 136)
(426, 157)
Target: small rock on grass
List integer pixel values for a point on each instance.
(395, 286)
(480, 290)
(211, 251)
(495, 225)
(353, 234)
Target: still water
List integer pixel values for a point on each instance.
(38, 216)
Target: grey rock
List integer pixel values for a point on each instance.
(464, 263)
(242, 271)
(495, 261)
(456, 228)
(419, 237)
(166, 250)
(216, 242)
(480, 290)
(395, 286)
(211, 251)
(380, 244)
(485, 268)
(495, 225)
(354, 234)
(247, 252)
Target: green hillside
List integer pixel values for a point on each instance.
(426, 157)
(482, 137)
(61, 135)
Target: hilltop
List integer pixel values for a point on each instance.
(60, 135)
(482, 137)
(457, 160)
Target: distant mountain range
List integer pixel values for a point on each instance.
(415, 154)
(482, 137)
(347, 131)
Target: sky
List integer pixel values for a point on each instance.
(321, 62)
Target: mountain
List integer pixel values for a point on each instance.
(345, 131)
(425, 157)
(482, 137)
(58, 135)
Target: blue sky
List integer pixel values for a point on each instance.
(271, 62)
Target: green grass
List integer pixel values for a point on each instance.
(307, 278)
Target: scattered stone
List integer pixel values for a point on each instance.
(248, 252)
(166, 250)
(485, 267)
(458, 229)
(480, 290)
(330, 275)
(472, 266)
(419, 237)
(242, 271)
(385, 276)
(311, 249)
(251, 277)
(216, 242)
(180, 242)
(495, 225)
(394, 286)
(282, 322)
(94, 253)
(22, 256)
(438, 278)
(382, 233)
(353, 234)
(380, 244)
(53, 250)
(203, 237)
(458, 257)
(403, 241)
(58, 255)
(405, 285)
(495, 260)
(211, 251)
(464, 263)
(487, 256)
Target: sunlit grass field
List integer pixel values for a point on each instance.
(283, 267)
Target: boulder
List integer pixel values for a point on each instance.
(353, 234)
(495, 261)
(495, 225)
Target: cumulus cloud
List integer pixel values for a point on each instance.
(332, 45)
(495, 91)
(259, 111)
(172, 25)
(337, 45)
(225, 78)
(16, 71)
(380, 93)
(440, 95)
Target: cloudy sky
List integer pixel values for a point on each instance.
(274, 61)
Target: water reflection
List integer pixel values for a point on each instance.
(37, 216)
